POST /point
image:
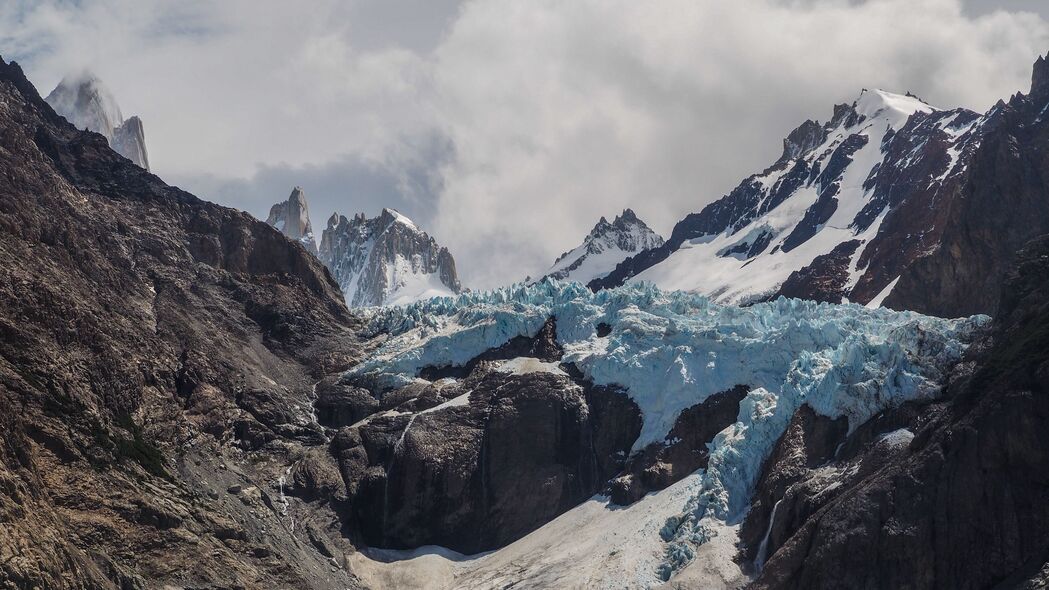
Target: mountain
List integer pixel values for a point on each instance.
(604, 247)
(292, 218)
(190, 404)
(156, 375)
(893, 202)
(86, 103)
(385, 260)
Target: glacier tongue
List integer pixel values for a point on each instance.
(672, 350)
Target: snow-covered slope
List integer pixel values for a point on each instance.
(595, 545)
(671, 351)
(604, 247)
(292, 218)
(385, 260)
(813, 224)
(86, 103)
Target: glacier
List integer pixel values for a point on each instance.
(672, 350)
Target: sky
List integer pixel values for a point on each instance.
(506, 128)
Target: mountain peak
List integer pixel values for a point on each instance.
(1040, 78)
(376, 264)
(85, 102)
(627, 216)
(880, 103)
(606, 245)
(395, 216)
(292, 218)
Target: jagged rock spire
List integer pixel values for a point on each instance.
(292, 218)
(86, 103)
(1040, 78)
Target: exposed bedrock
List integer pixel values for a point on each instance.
(481, 473)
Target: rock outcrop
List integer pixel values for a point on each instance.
(498, 456)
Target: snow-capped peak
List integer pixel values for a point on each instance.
(804, 227)
(606, 245)
(895, 108)
(398, 217)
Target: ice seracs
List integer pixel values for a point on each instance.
(86, 103)
(604, 247)
(384, 260)
(673, 350)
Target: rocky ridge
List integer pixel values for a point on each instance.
(893, 202)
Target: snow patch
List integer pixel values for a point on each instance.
(524, 365)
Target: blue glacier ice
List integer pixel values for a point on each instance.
(671, 350)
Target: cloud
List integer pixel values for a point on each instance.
(506, 128)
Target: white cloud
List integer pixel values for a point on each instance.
(548, 113)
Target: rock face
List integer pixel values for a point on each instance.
(892, 201)
(385, 260)
(476, 463)
(944, 495)
(156, 367)
(683, 451)
(292, 218)
(86, 103)
(604, 247)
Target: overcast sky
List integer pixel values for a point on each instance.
(506, 128)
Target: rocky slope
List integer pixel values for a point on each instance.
(604, 247)
(156, 372)
(893, 202)
(86, 103)
(386, 260)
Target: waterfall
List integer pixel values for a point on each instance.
(763, 548)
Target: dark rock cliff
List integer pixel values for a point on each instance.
(156, 351)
